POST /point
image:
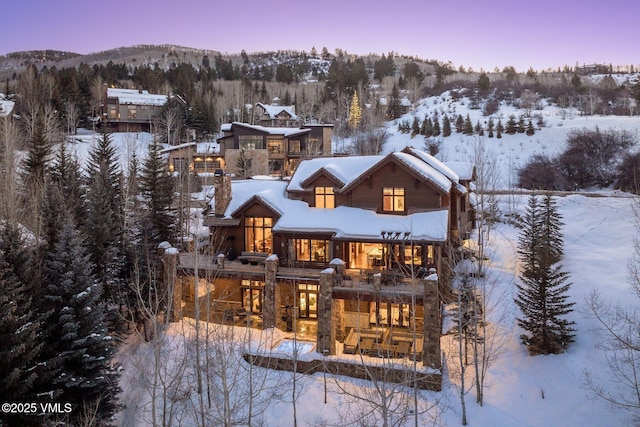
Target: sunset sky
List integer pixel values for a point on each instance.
(478, 34)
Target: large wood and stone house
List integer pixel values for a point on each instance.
(358, 249)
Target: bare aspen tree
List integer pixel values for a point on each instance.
(9, 134)
(489, 344)
(158, 362)
(97, 101)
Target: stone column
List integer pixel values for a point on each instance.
(338, 319)
(377, 282)
(172, 283)
(326, 331)
(338, 265)
(271, 304)
(432, 329)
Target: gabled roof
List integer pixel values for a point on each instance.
(465, 170)
(350, 171)
(137, 97)
(285, 132)
(343, 170)
(441, 167)
(411, 163)
(274, 110)
(295, 216)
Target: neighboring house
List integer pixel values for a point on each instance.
(360, 248)
(276, 115)
(251, 150)
(6, 106)
(130, 110)
(203, 159)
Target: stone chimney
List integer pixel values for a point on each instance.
(222, 196)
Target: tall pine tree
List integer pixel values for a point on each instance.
(78, 343)
(105, 223)
(542, 294)
(19, 324)
(157, 189)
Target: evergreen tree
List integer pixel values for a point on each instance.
(542, 294)
(19, 325)
(415, 127)
(490, 126)
(38, 153)
(394, 109)
(522, 126)
(446, 126)
(157, 190)
(78, 343)
(512, 126)
(530, 129)
(105, 221)
(468, 126)
(427, 127)
(436, 126)
(66, 174)
(484, 84)
(499, 129)
(459, 124)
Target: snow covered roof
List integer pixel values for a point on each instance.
(137, 97)
(444, 169)
(177, 147)
(207, 147)
(464, 170)
(343, 169)
(286, 132)
(347, 171)
(274, 110)
(342, 222)
(6, 106)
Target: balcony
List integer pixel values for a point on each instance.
(353, 284)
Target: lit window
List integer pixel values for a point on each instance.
(393, 199)
(131, 112)
(311, 250)
(325, 198)
(251, 142)
(257, 234)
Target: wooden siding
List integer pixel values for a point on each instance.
(419, 196)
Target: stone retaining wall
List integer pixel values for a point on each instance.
(355, 370)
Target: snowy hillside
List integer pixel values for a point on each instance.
(510, 152)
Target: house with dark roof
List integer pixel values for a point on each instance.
(354, 253)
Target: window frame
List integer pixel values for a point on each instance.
(393, 199)
(324, 197)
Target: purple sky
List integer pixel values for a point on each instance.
(478, 34)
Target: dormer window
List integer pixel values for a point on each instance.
(393, 199)
(325, 198)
